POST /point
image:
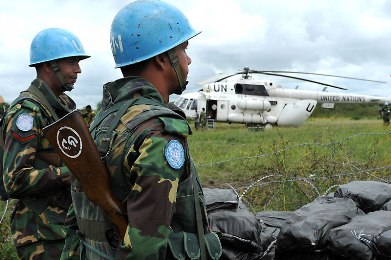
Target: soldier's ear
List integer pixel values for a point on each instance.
(161, 60)
(46, 67)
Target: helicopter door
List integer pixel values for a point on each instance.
(222, 110)
(211, 109)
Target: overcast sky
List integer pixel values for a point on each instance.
(349, 38)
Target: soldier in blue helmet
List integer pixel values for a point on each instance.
(33, 174)
(143, 140)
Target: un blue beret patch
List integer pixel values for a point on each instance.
(175, 154)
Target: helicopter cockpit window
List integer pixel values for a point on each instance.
(183, 103)
(238, 89)
(189, 104)
(194, 105)
(251, 89)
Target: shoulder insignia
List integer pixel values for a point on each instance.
(23, 139)
(174, 154)
(24, 122)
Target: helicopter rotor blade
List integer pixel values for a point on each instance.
(247, 71)
(320, 74)
(215, 78)
(228, 76)
(302, 79)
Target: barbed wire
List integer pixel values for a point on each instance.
(280, 179)
(309, 180)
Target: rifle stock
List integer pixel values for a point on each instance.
(73, 142)
(49, 157)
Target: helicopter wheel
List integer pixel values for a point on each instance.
(268, 127)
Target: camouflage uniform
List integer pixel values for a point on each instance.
(385, 113)
(203, 119)
(158, 188)
(34, 175)
(2, 110)
(88, 116)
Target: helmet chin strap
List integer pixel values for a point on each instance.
(174, 60)
(56, 69)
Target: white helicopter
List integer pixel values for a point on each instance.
(262, 103)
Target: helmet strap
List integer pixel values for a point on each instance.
(56, 69)
(174, 60)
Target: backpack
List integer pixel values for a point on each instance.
(111, 117)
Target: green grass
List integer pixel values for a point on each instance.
(285, 168)
(281, 168)
(7, 250)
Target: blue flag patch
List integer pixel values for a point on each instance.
(175, 154)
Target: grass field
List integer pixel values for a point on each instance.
(285, 168)
(281, 168)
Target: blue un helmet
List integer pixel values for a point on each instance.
(52, 44)
(146, 28)
(55, 43)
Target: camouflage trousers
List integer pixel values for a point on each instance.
(45, 250)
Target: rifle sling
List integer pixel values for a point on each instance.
(137, 120)
(197, 206)
(122, 107)
(43, 101)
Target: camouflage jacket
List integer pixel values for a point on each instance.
(88, 116)
(203, 117)
(2, 110)
(33, 174)
(152, 172)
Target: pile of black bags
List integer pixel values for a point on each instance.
(352, 223)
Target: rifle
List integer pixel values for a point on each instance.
(49, 157)
(73, 142)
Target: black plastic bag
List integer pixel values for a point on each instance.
(271, 223)
(387, 206)
(306, 229)
(220, 199)
(237, 227)
(356, 239)
(369, 195)
(383, 244)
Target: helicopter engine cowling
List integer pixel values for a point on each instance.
(256, 105)
(246, 118)
(251, 118)
(271, 119)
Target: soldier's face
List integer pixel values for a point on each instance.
(69, 68)
(184, 62)
(184, 59)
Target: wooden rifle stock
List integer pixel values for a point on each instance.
(73, 142)
(49, 157)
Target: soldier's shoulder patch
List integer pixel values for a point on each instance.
(24, 122)
(174, 154)
(23, 137)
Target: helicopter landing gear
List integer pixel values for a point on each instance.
(259, 127)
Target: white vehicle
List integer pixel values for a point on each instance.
(263, 103)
